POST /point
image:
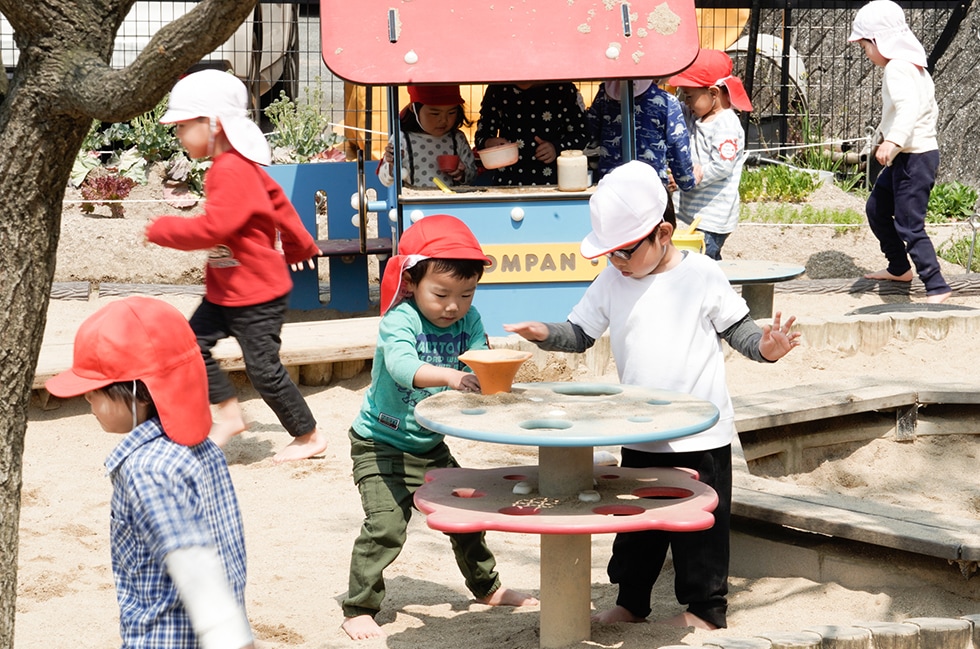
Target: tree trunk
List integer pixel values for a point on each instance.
(61, 84)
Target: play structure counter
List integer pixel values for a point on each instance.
(531, 235)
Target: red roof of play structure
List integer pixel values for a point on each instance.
(481, 41)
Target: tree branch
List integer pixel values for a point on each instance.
(91, 87)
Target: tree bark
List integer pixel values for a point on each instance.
(63, 82)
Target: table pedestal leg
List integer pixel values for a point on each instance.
(564, 471)
(759, 299)
(566, 581)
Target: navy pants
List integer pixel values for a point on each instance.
(256, 328)
(897, 215)
(713, 242)
(700, 558)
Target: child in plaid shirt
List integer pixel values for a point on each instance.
(178, 547)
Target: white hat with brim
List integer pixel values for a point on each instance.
(213, 93)
(883, 22)
(628, 203)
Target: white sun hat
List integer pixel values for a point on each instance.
(626, 206)
(213, 93)
(883, 22)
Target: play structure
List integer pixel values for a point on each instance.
(566, 498)
(532, 234)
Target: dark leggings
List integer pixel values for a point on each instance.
(256, 328)
(700, 558)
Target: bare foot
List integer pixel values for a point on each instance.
(938, 298)
(507, 597)
(688, 619)
(231, 422)
(884, 274)
(362, 627)
(302, 447)
(223, 431)
(616, 614)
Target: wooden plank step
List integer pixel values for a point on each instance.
(805, 403)
(815, 510)
(347, 247)
(303, 343)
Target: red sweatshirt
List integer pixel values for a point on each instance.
(243, 210)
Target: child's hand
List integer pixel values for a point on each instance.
(671, 184)
(698, 174)
(777, 341)
(457, 173)
(389, 155)
(466, 383)
(533, 331)
(544, 151)
(886, 151)
(298, 266)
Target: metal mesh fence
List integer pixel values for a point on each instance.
(808, 85)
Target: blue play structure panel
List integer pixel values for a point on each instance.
(561, 220)
(349, 288)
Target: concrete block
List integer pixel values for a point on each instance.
(791, 640)
(943, 632)
(974, 621)
(892, 635)
(738, 643)
(316, 374)
(843, 637)
(344, 370)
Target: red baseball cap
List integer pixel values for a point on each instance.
(447, 95)
(713, 68)
(141, 338)
(439, 236)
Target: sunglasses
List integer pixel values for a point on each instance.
(625, 253)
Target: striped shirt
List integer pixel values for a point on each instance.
(719, 147)
(167, 496)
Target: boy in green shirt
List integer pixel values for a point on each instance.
(426, 297)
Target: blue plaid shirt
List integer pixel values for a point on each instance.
(167, 496)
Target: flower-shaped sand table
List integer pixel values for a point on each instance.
(572, 499)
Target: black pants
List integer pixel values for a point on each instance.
(256, 328)
(700, 558)
(896, 213)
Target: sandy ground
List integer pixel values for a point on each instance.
(300, 519)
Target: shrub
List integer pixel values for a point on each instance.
(776, 183)
(105, 189)
(951, 201)
(300, 131)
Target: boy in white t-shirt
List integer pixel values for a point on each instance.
(667, 312)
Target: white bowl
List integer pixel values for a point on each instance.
(499, 156)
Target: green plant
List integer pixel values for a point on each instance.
(182, 169)
(814, 155)
(805, 214)
(776, 183)
(301, 132)
(957, 251)
(952, 201)
(154, 141)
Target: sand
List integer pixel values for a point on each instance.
(301, 518)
